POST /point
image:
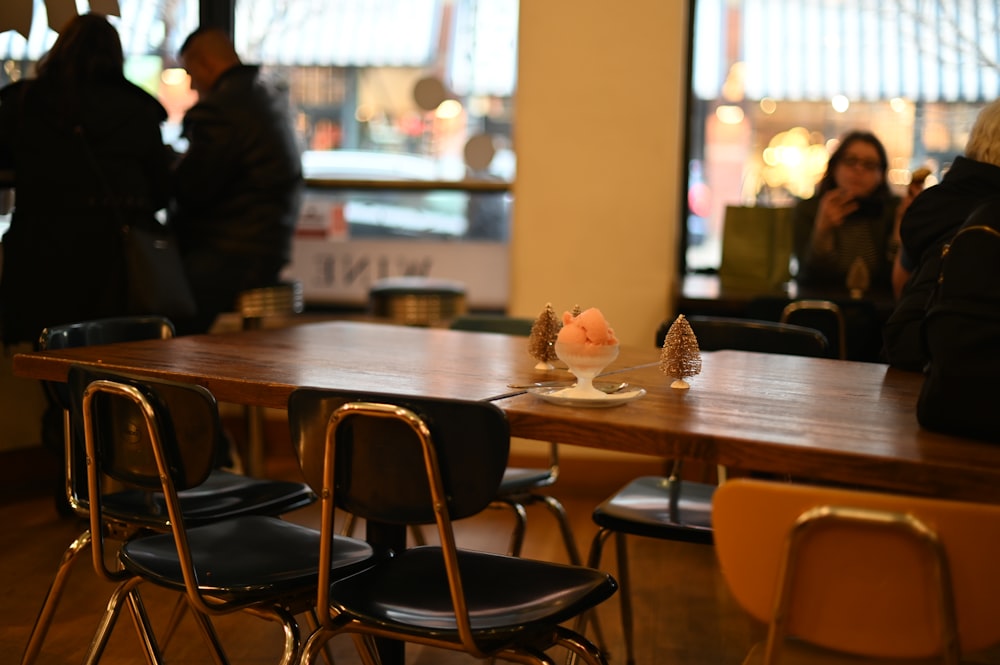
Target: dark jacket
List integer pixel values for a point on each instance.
(929, 223)
(63, 258)
(238, 187)
(830, 273)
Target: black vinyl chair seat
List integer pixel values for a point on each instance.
(408, 594)
(245, 560)
(643, 508)
(224, 495)
(519, 480)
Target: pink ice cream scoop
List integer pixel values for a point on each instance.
(588, 327)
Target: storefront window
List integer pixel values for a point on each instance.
(381, 90)
(776, 82)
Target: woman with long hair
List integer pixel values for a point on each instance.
(850, 220)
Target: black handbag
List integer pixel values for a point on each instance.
(156, 280)
(157, 283)
(961, 333)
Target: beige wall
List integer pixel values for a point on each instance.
(598, 136)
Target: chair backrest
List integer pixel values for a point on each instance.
(101, 331)
(867, 573)
(153, 434)
(91, 333)
(717, 333)
(379, 459)
(508, 325)
(824, 315)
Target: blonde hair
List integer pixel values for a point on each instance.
(984, 139)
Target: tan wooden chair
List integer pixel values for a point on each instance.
(853, 576)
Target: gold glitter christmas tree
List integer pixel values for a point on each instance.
(680, 357)
(542, 340)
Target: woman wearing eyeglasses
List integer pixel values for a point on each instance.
(844, 235)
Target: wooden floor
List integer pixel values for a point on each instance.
(683, 611)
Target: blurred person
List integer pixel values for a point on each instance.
(852, 215)
(87, 153)
(902, 267)
(86, 149)
(238, 187)
(930, 222)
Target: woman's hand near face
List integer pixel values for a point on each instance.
(834, 206)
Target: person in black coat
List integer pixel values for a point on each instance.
(929, 223)
(87, 154)
(238, 187)
(86, 150)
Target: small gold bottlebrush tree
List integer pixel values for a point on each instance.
(680, 357)
(542, 339)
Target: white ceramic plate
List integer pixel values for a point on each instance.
(563, 396)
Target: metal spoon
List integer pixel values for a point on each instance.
(603, 386)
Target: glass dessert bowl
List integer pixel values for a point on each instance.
(585, 361)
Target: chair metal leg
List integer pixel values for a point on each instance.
(579, 646)
(144, 628)
(312, 622)
(319, 641)
(520, 523)
(290, 629)
(624, 592)
(593, 561)
(211, 637)
(556, 508)
(51, 602)
(180, 607)
(108, 619)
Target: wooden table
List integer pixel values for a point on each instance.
(263, 367)
(833, 420)
(813, 418)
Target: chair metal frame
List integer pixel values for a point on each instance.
(852, 575)
(472, 634)
(670, 508)
(823, 306)
(290, 497)
(518, 489)
(275, 584)
(908, 525)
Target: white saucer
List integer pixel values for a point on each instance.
(564, 396)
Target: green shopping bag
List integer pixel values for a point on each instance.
(756, 247)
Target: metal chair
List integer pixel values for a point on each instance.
(716, 333)
(519, 486)
(404, 460)
(668, 507)
(129, 512)
(848, 576)
(155, 435)
(824, 315)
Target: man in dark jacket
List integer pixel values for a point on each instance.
(930, 222)
(238, 187)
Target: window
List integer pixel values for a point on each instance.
(774, 82)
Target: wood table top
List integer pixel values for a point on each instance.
(835, 420)
(263, 367)
(815, 418)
